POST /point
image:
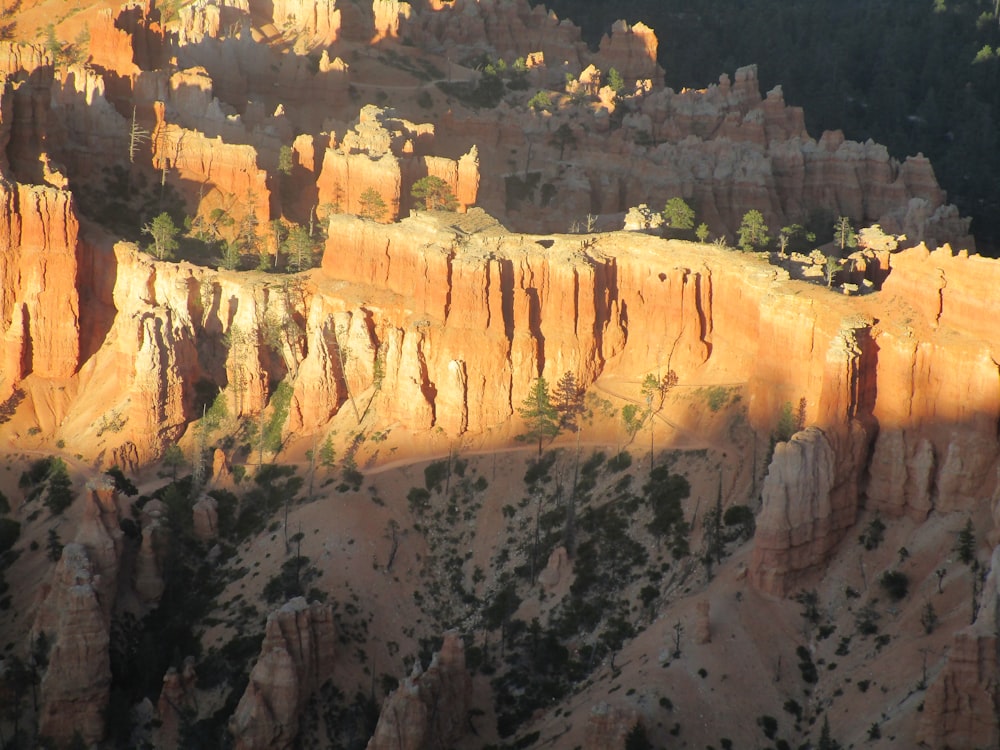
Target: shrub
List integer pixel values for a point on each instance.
(419, 500)
(620, 462)
(742, 519)
(806, 666)
(434, 475)
(895, 583)
(60, 493)
(122, 483)
(769, 725)
(10, 530)
(873, 534)
(928, 618)
(866, 620)
(717, 397)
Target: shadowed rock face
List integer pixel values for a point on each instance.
(429, 709)
(297, 656)
(962, 708)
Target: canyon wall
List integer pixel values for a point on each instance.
(444, 321)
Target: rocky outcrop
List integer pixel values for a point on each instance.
(315, 22)
(429, 709)
(631, 50)
(177, 696)
(809, 501)
(74, 614)
(962, 707)
(388, 155)
(297, 656)
(77, 682)
(512, 30)
(205, 513)
(938, 386)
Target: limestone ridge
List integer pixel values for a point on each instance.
(296, 658)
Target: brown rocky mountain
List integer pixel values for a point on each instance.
(785, 551)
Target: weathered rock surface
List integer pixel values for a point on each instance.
(297, 656)
(205, 514)
(808, 504)
(76, 685)
(962, 708)
(429, 708)
(39, 299)
(177, 696)
(388, 155)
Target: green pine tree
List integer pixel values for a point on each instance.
(539, 415)
(753, 231)
(677, 214)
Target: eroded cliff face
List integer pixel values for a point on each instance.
(39, 299)
(443, 322)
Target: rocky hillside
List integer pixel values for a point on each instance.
(260, 410)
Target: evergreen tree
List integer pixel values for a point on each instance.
(540, 101)
(965, 545)
(568, 401)
(563, 137)
(285, 161)
(637, 739)
(372, 205)
(844, 234)
(826, 742)
(615, 81)
(173, 459)
(753, 231)
(434, 193)
(539, 415)
(677, 214)
(299, 249)
(164, 233)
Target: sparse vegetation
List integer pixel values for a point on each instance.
(873, 534)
